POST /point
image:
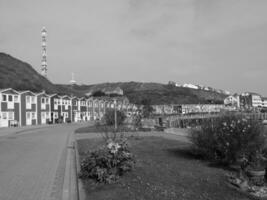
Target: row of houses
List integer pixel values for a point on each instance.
(21, 108)
(247, 100)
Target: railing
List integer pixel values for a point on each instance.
(183, 121)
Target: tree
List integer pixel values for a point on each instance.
(98, 93)
(147, 108)
(109, 117)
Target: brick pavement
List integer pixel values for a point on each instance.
(32, 164)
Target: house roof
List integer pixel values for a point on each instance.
(12, 91)
(65, 97)
(27, 91)
(250, 93)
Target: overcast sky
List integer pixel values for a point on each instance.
(219, 43)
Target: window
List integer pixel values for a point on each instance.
(33, 99)
(43, 100)
(43, 114)
(4, 115)
(4, 97)
(28, 99)
(16, 98)
(66, 115)
(10, 115)
(28, 115)
(10, 98)
(33, 115)
(46, 100)
(47, 115)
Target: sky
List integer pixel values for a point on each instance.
(217, 43)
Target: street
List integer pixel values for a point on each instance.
(32, 162)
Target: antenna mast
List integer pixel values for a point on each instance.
(44, 61)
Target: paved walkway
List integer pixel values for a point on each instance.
(32, 161)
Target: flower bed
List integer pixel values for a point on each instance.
(107, 163)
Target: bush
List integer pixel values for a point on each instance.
(109, 117)
(227, 138)
(108, 163)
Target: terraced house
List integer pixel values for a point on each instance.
(26, 108)
(75, 111)
(43, 108)
(65, 104)
(9, 108)
(83, 109)
(55, 103)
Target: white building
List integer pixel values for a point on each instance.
(256, 100)
(189, 85)
(232, 100)
(264, 102)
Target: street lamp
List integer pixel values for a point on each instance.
(115, 114)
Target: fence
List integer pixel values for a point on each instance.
(184, 121)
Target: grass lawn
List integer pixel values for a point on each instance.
(164, 170)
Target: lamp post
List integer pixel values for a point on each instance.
(115, 114)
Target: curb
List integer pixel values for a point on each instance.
(80, 190)
(70, 187)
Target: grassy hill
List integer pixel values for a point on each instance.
(157, 92)
(19, 75)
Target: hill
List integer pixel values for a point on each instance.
(158, 93)
(19, 75)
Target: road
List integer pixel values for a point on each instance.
(32, 162)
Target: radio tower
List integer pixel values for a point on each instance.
(44, 61)
(72, 81)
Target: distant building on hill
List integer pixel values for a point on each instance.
(264, 102)
(232, 100)
(250, 100)
(189, 85)
(109, 91)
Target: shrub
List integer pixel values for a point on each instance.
(109, 117)
(108, 163)
(227, 138)
(137, 120)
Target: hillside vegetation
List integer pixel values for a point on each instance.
(157, 92)
(19, 75)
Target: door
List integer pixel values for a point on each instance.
(43, 118)
(28, 118)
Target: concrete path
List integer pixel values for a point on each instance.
(33, 161)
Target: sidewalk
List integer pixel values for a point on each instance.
(16, 130)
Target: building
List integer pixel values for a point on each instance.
(9, 108)
(21, 108)
(232, 101)
(65, 108)
(28, 108)
(43, 108)
(249, 100)
(264, 102)
(55, 108)
(112, 91)
(75, 110)
(189, 85)
(83, 109)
